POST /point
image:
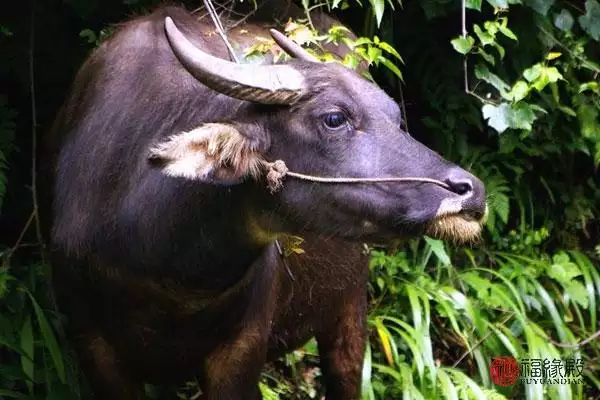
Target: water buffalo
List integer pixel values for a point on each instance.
(164, 230)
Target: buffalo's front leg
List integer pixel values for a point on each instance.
(342, 350)
(233, 370)
(105, 372)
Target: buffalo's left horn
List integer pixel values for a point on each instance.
(291, 47)
(267, 84)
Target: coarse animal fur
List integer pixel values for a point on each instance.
(163, 230)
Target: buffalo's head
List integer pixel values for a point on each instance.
(325, 120)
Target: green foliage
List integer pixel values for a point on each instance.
(34, 363)
(428, 312)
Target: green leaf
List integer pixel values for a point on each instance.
(497, 116)
(590, 21)
(482, 72)
(593, 86)
(540, 76)
(89, 35)
(521, 116)
(473, 4)
(506, 31)
(588, 120)
(502, 4)
(49, 339)
(552, 74)
(504, 116)
(519, 91)
(540, 6)
(487, 57)
(553, 55)
(391, 66)
(378, 9)
(533, 73)
(484, 37)
(564, 20)
(437, 246)
(564, 272)
(463, 44)
(373, 53)
(501, 206)
(27, 345)
(389, 49)
(576, 291)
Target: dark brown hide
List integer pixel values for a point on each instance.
(129, 327)
(163, 240)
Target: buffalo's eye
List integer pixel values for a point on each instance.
(335, 120)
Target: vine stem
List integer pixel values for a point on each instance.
(463, 12)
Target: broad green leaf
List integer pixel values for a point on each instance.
(484, 37)
(540, 76)
(502, 4)
(504, 116)
(521, 116)
(533, 73)
(497, 116)
(563, 272)
(519, 91)
(463, 44)
(564, 20)
(590, 21)
(482, 72)
(473, 4)
(577, 292)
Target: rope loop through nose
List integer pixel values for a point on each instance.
(277, 171)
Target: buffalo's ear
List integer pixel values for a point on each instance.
(213, 152)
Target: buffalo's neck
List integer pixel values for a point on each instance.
(206, 241)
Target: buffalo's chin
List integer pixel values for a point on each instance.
(455, 227)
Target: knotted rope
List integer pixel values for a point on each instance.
(277, 171)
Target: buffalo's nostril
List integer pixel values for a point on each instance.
(460, 186)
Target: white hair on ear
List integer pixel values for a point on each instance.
(211, 149)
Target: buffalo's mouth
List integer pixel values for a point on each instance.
(458, 226)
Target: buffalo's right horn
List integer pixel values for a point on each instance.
(291, 47)
(267, 84)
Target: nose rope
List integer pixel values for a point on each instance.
(277, 171)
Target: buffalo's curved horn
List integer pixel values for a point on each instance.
(291, 47)
(267, 84)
